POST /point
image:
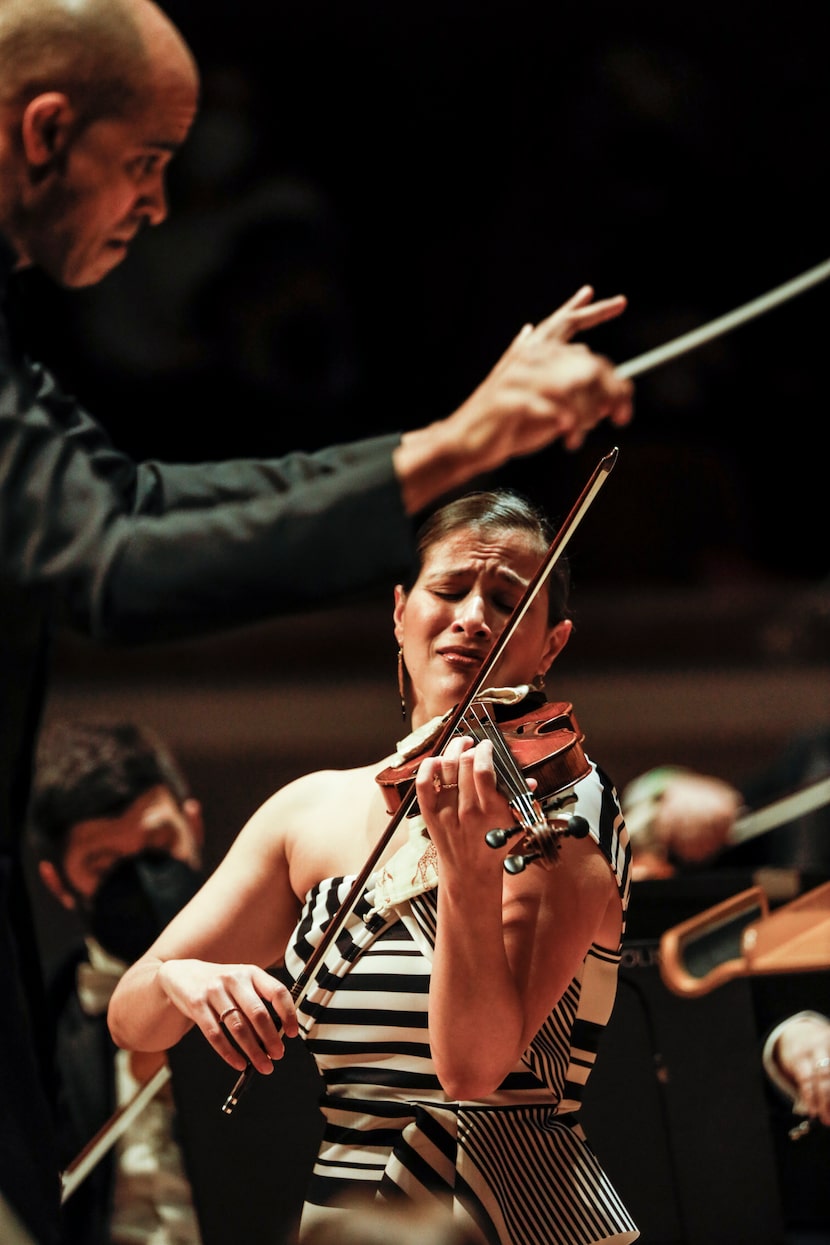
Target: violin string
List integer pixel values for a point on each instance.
(471, 727)
(509, 762)
(482, 726)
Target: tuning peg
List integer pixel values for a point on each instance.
(517, 864)
(576, 828)
(498, 838)
(573, 827)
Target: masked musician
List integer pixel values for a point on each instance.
(456, 1015)
(118, 837)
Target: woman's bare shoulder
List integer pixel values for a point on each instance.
(321, 801)
(323, 786)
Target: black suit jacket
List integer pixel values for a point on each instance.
(130, 553)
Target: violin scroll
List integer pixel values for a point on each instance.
(544, 843)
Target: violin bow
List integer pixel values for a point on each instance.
(646, 362)
(449, 730)
(106, 1137)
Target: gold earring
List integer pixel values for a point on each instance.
(402, 682)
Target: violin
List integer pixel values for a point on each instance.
(544, 744)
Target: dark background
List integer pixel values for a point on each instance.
(376, 197)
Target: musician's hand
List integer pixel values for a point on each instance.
(545, 386)
(694, 815)
(233, 1001)
(803, 1054)
(460, 802)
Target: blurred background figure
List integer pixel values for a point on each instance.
(677, 817)
(117, 836)
(681, 821)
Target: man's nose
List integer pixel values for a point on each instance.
(153, 204)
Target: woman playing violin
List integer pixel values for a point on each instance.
(456, 1016)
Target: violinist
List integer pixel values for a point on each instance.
(455, 1018)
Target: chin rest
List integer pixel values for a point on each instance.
(740, 937)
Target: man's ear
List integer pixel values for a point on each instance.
(46, 128)
(51, 879)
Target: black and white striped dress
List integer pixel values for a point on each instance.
(514, 1167)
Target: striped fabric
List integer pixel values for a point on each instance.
(514, 1168)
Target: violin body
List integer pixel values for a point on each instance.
(546, 744)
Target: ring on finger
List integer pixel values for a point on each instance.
(821, 1064)
(227, 1012)
(438, 785)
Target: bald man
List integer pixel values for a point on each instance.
(96, 97)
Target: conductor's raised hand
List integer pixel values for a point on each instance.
(579, 313)
(552, 388)
(545, 387)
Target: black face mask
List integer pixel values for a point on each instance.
(138, 897)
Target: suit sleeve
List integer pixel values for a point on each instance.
(143, 552)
